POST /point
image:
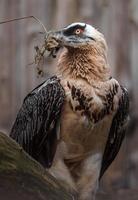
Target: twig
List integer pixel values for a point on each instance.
(26, 17)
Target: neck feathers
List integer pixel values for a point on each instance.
(86, 63)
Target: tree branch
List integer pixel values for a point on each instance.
(21, 177)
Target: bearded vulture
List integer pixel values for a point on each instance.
(74, 123)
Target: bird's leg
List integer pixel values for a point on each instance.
(60, 171)
(88, 182)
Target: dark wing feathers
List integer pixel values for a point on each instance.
(117, 132)
(36, 123)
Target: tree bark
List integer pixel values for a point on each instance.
(21, 177)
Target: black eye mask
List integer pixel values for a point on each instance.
(71, 30)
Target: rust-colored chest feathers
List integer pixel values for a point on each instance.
(87, 115)
(91, 101)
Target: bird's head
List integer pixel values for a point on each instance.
(79, 35)
(85, 52)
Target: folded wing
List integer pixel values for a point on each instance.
(37, 124)
(117, 132)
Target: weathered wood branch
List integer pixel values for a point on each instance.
(21, 177)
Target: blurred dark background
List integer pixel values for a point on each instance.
(117, 19)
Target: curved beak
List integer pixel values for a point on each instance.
(67, 40)
(62, 39)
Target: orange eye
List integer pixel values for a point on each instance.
(78, 31)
